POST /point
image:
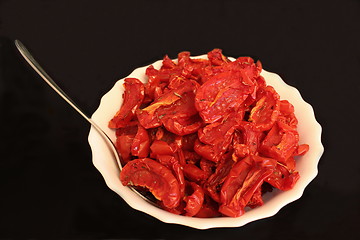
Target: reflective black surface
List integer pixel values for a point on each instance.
(48, 185)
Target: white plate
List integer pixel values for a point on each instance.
(308, 128)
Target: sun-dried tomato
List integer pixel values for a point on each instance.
(242, 182)
(140, 146)
(194, 201)
(207, 137)
(154, 176)
(282, 178)
(133, 97)
(280, 143)
(173, 163)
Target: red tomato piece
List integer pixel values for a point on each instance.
(222, 94)
(181, 118)
(207, 166)
(154, 176)
(164, 100)
(290, 163)
(194, 201)
(256, 199)
(217, 132)
(287, 115)
(280, 143)
(192, 68)
(266, 110)
(172, 163)
(193, 173)
(191, 157)
(188, 141)
(251, 136)
(253, 181)
(209, 209)
(179, 210)
(158, 79)
(159, 147)
(206, 151)
(214, 182)
(243, 180)
(217, 137)
(235, 179)
(286, 108)
(176, 105)
(124, 141)
(242, 150)
(176, 81)
(282, 178)
(141, 144)
(301, 150)
(133, 97)
(123, 145)
(182, 126)
(168, 63)
(217, 58)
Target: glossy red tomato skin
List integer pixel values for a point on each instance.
(282, 178)
(251, 136)
(133, 97)
(124, 142)
(242, 182)
(219, 96)
(256, 199)
(175, 110)
(217, 58)
(280, 143)
(266, 110)
(209, 208)
(235, 179)
(194, 173)
(215, 138)
(214, 182)
(194, 201)
(154, 176)
(174, 165)
(254, 180)
(141, 144)
(159, 147)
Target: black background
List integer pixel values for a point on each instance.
(48, 185)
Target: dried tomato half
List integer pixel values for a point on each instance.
(235, 179)
(124, 142)
(140, 146)
(133, 97)
(154, 176)
(253, 180)
(280, 143)
(266, 110)
(215, 181)
(222, 94)
(173, 163)
(195, 200)
(282, 178)
(174, 109)
(217, 58)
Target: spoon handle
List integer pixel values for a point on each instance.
(36, 66)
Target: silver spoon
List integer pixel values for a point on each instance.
(36, 66)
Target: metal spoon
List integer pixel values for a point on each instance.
(36, 66)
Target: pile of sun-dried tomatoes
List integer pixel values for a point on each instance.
(207, 137)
